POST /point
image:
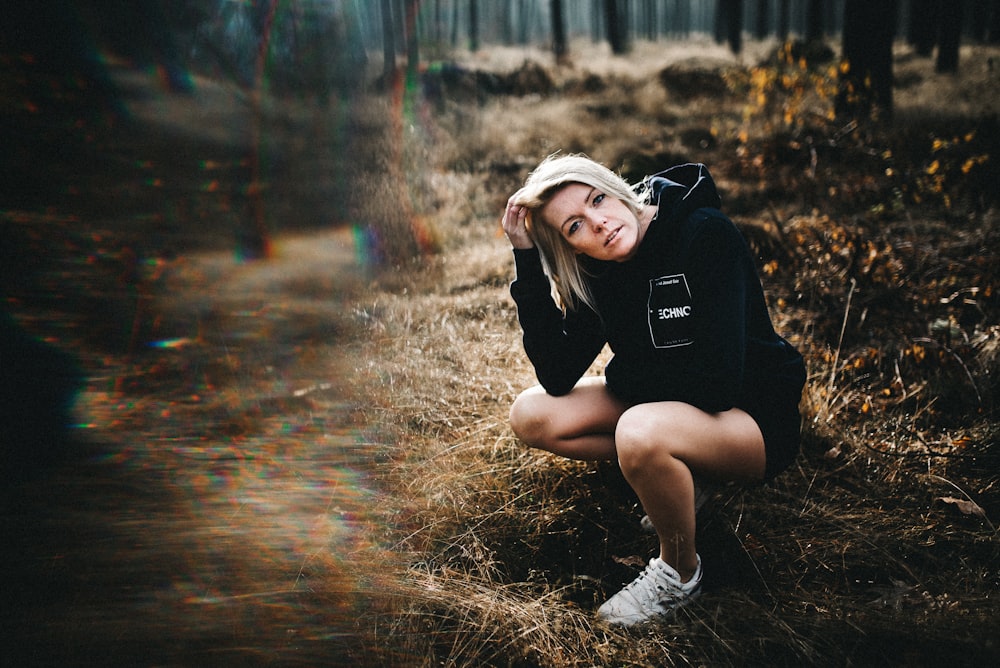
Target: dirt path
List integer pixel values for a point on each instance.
(217, 512)
(215, 507)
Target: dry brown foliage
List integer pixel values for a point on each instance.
(879, 545)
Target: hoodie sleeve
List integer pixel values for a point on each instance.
(561, 348)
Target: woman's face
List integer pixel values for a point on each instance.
(594, 224)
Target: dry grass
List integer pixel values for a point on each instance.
(403, 524)
(865, 551)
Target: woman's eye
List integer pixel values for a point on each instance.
(573, 227)
(598, 199)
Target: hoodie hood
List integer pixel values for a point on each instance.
(678, 191)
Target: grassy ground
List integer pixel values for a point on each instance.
(876, 246)
(305, 459)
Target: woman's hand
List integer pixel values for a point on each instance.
(514, 224)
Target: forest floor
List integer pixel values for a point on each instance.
(304, 458)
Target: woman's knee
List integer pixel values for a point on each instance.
(528, 418)
(642, 442)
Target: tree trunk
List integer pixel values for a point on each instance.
(829, 17)
(682, 20)
(438, 22)
(720, 21)
(255, 243)
(388, 41)
(923, 28)
(507, 31)
(814, 21)
(734, 25)
(865, 87)
(399, 21)
(784, 19)
(598, 10)
(473, 25)
(354, 57)
(625, 25)
(729, 24)
(558, 31)
(522, 21)
(993, 35)
(616, 13)
(412, 42)
(949, 37)
(979, 20)
(651, 27)
(763, 24)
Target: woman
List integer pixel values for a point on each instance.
(700, 384)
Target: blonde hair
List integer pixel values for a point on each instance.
(559, 259)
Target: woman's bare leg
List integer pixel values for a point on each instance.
(578, 425)
(660, 445)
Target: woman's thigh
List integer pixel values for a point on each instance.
(726, 445)
(589, 412)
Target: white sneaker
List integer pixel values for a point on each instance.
(658, 591)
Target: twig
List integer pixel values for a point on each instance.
(806, 495)
(749, 556)
(840, 341)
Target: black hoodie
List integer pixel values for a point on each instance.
(685, 317)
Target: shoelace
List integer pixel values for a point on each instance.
(653, 589)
